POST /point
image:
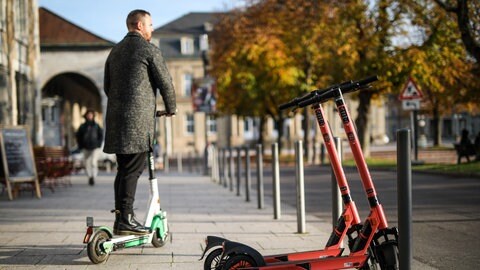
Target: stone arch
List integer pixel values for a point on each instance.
(65, 98)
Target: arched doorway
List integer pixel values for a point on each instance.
(65, 98)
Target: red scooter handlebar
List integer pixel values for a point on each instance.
(344, 88)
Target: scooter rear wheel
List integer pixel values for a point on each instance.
(94, 250)
(239, 261)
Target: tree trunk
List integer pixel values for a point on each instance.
(437, 127)
(279, 124)
(306, 126)
(362, 121)
(261, 129)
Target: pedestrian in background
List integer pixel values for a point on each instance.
(134, 70)
(89, 140)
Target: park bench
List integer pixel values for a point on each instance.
(464, 151)
(54, 166)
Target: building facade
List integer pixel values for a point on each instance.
(185, 46)
(71, 78)
(19, 61)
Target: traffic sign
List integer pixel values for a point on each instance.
(410, 104)
(411, 91)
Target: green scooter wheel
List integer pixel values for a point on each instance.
(157, 240)
(94, 250)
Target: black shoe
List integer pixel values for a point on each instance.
(91, 181)
(117, 219)
(127, 225)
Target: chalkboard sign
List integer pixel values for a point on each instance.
(18, 163)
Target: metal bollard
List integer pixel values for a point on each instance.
(166, 164)
(247, 174)
(230, 167)
(220, 168)
(206, 158)
(316, 151)
(225, 168)
(213, 165)
(189, 161)
(217, 166)
(239, 169)
(260, 195)
(337, 205)
(404, 195)
(322, 153)
(276, 182)
(179, 163)
(300, 187)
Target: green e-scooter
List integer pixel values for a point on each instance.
(101, 241)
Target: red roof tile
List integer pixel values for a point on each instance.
(57, 31)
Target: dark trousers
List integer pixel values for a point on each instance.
(130, 167)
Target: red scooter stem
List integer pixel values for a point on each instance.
(380, 219)
(350, 215)
(334, 159)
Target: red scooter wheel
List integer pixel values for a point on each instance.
(239, 261)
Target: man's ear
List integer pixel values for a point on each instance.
(139, 25)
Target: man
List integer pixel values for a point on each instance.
(89, 139)
(134, 70)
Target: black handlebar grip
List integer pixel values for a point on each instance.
(295, 101)
(368, 80)
(287, 105)
(161, 113)
(358, 85)
(310, 101)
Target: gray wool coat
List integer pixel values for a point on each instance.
(134, 70)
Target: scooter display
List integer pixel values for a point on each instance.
(101, 241)
(348, 224)
(374, 236)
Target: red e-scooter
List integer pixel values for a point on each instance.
(374, 234)
(348, 224)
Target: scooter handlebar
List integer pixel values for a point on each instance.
(296, 101)
(344, 88)
(163, 113)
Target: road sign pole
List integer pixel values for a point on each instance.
(413, 125)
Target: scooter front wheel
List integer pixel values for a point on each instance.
(157, 240)
(95, 252)
(212, 261)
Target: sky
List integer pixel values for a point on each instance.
(106, 18)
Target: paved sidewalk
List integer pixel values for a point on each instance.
(47, 233)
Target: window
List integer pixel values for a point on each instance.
(3, 15)
(211, 124)
(249, 128)
(186, 45)
(187, 84)
(204, 42)
(189, 124)
(20, 20)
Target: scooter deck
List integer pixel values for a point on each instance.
(304, 255)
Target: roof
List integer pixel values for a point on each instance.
(56, 31)
(192, 23)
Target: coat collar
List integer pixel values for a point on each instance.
(134, 34)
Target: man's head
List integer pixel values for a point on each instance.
(89, 115)
(140, 21)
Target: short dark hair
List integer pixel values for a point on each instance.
(135, 16)
(89, 110)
